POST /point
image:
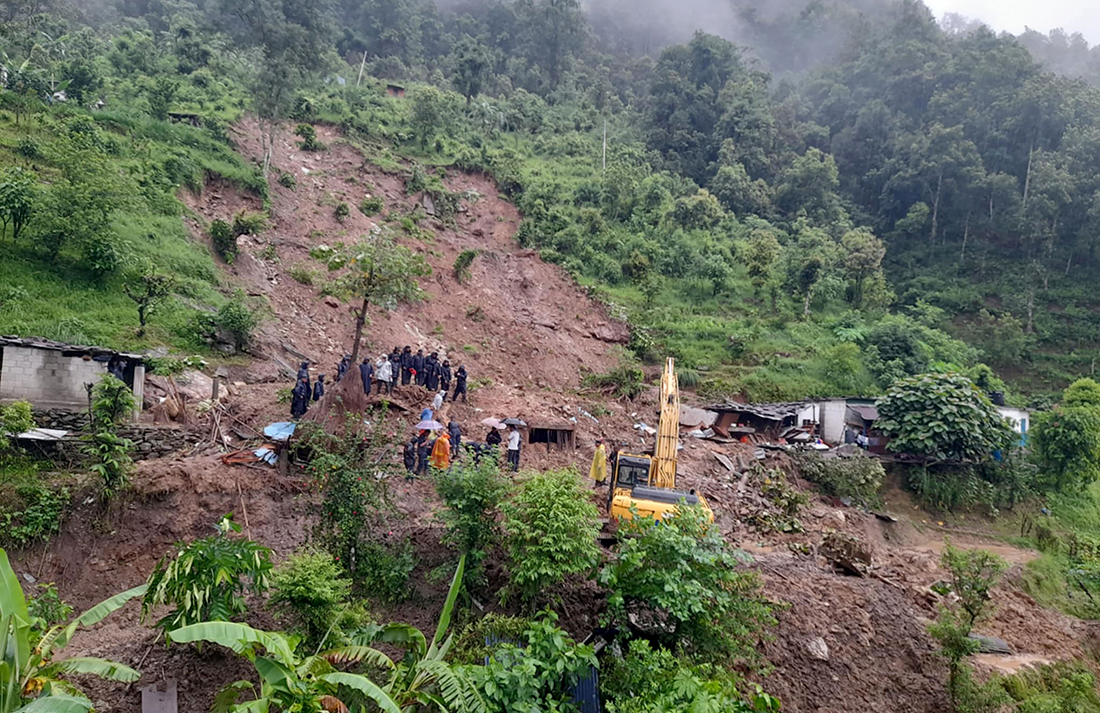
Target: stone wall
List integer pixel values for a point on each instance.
(46, 377)
(149, 441)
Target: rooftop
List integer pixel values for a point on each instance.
(75, 350)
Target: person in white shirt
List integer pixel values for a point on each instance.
(513, 448)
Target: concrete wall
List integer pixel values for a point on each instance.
(833, 415)
(1019, 418)
(46, 378)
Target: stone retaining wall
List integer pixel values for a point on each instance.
(149, 441)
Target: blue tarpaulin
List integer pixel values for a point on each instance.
(280, 431)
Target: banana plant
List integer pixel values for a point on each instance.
(311, 684)
(30, 679)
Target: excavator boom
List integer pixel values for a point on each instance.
(663, 474)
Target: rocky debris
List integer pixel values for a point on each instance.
(848, 554)
(332, 302)
(818, 648)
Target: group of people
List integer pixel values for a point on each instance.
(427, 372)
(427, 449)
(383, 374)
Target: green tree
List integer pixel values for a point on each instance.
(863, 258)
(428, 112)
(973, 575)
(15, 418)
(941, 417)
(1083, 392)
(31, 675)
(18, 196)
(205, 580)
(550, 533)
(683, 573)
(1066, 444)
(150, 290)
(375, 270)
(161, 95)
(472, 61)
(762, 255)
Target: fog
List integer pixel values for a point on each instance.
(1016, 15)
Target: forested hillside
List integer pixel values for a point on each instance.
(789, 219)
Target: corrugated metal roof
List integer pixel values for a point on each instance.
(76, 349)
(867, 413)
(771, 412)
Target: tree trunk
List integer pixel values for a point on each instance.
(1030, 311)
(966, 234)
(806, 303)
(360, 320)
(1027, 178)
(936, 207)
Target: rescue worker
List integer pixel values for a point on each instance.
(445, 377)
(319, 388)
(598, 471)
(513, 448)
(406, 366)
(366, 371)
(431, 369)
(441, 452)
(410, 458)
(418, 366)
(438, 399)
(395, 368)
(303, 371)
(460, 383)
(299, 398)
(423, 449)
(493, 438)
(343, 367)
(384, 375)
(455, 432)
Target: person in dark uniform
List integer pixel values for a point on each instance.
(460, 383)
(423, 450)
(366, 370)
(343, 367)
(299, 398)
(319, 388)
(303, 371)
(418, 366)
(395, 368)
(406, 366)
(445, 378)
(455, 432)
(431, 369)
(410, 458)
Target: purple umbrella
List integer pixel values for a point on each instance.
(429, 426)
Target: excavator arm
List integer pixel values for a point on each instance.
(663, 472)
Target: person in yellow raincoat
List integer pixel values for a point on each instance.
(441, 452)
(598, 471)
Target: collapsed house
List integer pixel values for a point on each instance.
(53, 375)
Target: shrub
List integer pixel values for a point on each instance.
(462, 265)
(237, 321)
(206, 579)
(309, 589)
(551, 527)
(309, 138)
(110, 459)
(371, 205)
(32, 510)
(472, 494)
(684, 574)
(249, 223)
(859, 478)
(287, 180)
(302, 274)
(224, 240)
(624, 381)
(15, 418)
(342, 212)
(383, 570)
(47, 608)
(535, 673)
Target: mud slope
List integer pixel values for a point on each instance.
(535, 332)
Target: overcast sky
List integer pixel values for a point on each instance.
(1013, 15)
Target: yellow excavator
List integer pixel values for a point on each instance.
(648, 483)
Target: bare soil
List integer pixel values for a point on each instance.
(526, 358)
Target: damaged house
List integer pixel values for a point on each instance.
(53, 375)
